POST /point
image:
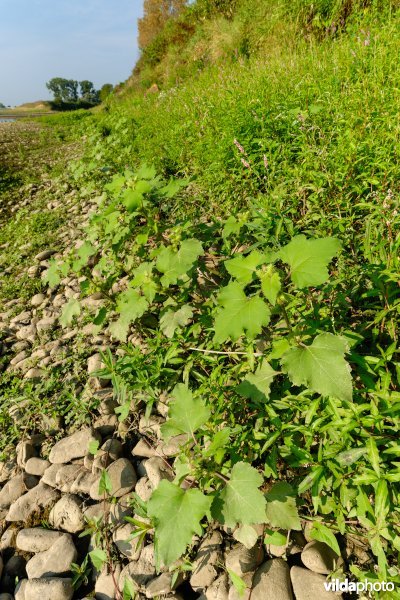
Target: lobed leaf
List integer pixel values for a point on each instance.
(321, 367)
(177, 515)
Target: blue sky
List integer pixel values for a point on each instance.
(75, 39)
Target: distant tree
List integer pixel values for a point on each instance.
(88, 93)
(155, 14)
(64, 90)
(2, 105)
(105, 91)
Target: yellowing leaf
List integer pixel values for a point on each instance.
(239, 314)
(308, 259)
(321, 367)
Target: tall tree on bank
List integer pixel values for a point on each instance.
(155, 14)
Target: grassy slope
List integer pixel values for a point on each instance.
(316, 116)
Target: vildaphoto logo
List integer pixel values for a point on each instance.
(336, 585)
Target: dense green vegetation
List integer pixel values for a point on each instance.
(252, 204)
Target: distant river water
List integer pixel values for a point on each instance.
(6, 119)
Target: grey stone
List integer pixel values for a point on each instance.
(38, 299)
(49, 588)
(151, 426)
(67, 515)
(105, 587)
(66, 475)
(158, 469)
(240, 560)
(20, 590)
(272, 581)
(45, 254)
(33, 502)
(36, 466)
(73, 446)
(14, 570)
(122, 476)
(204, 565)
(27, 333)
(50, 474)
(308, 585)
(12, 490)
(7, 470)
(56, 561)
(36, 539)
(320, 558)
(219, 589)
(35, 374)
(141, 571)
(144, 449)
(110, 451)
(8, 539)
(122, 538)
(83, 482)
(144, 489)
(162, 585)
(25, 451)
(5, 596)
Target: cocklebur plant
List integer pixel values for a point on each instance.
(246, 331)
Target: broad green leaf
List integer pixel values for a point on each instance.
(52, 275)
(146, 172)
(274, 538)
(129, 592)
(171, 321)
(281, 510)
(232, 225)
(105, 485)
(322, 533)
(239, 314)
(246, 535)
(116, 184)
(240, 501)
(218, 443)
(169, 506)
(70, 310)
(83, 253)
(257, 385)
(173, 187)
(186, 414)
(131, 305)
(238, 583)
(309, 259)
(175, 264)
(242, 267)
(132, 199)
(143, 278)
(98, 558)
(321, 367)
(270, 284)
(93, 447)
